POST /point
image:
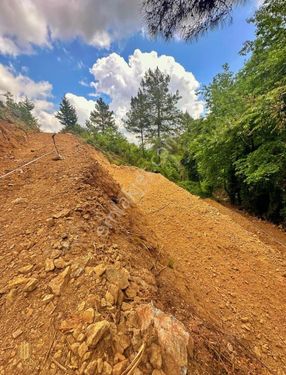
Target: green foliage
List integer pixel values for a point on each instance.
(18, 112)
(137, 119)
(67, 115)
(101, 118)
(153, 113)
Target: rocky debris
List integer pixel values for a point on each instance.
(155, 356)
(26, 269)
(17, 281)
(118, 276)
(31, 284)
(20, 200)
(60, 263)
(65, 212)
(17, 333)
(48, 298)
(88, 315)
(96, 331)
(172, 338)
(58, 283)
(49, 265)
(99, 269)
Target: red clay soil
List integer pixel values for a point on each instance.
(216, 270)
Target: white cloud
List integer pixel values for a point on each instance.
(25, 23)
(40, 92)
(82, 105)
(20, 85)
(120, 80)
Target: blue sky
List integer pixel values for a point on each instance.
(66, 60)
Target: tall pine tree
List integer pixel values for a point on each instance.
(163, 113)
(67, 114)
(101, 119)
(137, 119)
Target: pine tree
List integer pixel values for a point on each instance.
(101, 118)
(164, 116)
(24, 110)
(67, 114)
(137, 120)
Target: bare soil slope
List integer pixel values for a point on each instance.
(79, 261)
(231, 267)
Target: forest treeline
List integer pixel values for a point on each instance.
(236, 151)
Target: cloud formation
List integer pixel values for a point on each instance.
(39, 92)
(82, 105)
(28, 23)
(120, 80)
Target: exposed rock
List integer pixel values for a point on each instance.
(88, 315)
(91, 368)
(96, 331)
(69, 324)
(17, 333)
(172, 337)
(82, 349)
(120, 367)
(109, 298)
(60, 263)
(122, 342)
(155, 356)
(31, 284)
(114, 291)
(55, 254)
(132, 290)
(47, 298)
(26, 269)
(65, 212)
(107, 369)
(125, 306)
(99, 269)
(119, 277)
(10, 297)
(20, 200)
(58, 283)
(17, 281)
(49, 265)
(157, 372)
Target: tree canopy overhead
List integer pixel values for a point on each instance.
(186, 18)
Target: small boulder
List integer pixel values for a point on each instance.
(31, 285)
(120, 367)
(17, 281)
(172, 338)
(82, 349)
(60, 263)
(118, 276)
(88, 315)
(58, 283)
(49, 265)
(26, 269)
(96, 331)
(99, 269)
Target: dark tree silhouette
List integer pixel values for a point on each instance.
(185, 18)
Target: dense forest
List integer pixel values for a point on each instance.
(235, 152)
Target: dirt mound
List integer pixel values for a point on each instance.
(86, 287)
(11, 137)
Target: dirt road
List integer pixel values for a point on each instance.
(221, 272)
